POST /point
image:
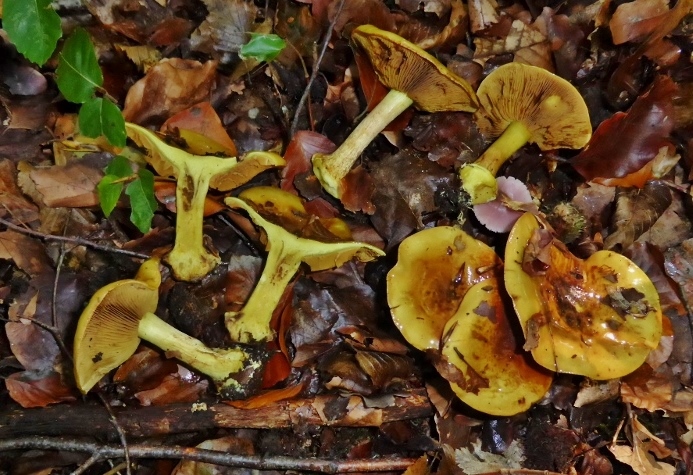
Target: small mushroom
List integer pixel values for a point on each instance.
(598, 317)
(413, 77)
(494, 375)
(293, 237)
(121, 313)
(190, 259)
(521, 104)
(435, 268)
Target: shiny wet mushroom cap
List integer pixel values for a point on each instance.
(598, 317)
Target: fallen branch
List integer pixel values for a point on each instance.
(92, 420)
(255, 462)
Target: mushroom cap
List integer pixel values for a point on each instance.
(435, 268)
(321, 243)
(107, 332)
(598, 317)
(403, 66)
(494, 375)
(550, 107)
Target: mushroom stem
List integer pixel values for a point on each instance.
(331, 169)
(189, 259)
(218, 364)
(252, 323)
(479, 178)
(511, 140)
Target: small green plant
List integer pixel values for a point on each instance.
(262, 47)
(138, 185)
(34, 28)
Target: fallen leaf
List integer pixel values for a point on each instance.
(170, 86)
(225, 29)
(31, 390)
(633, 20)
(203, 119)
(72, 185)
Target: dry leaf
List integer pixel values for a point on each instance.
(72, 185)
(633, 20)
(225, 29)
(169, 87)
(27, 253)
(520, 36)
(13, 205)
(482, 14)
(32, 391)
(477, 461)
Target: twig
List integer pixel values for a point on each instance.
(121, 434)
(72, 240)
(314, 73)
(255, 462)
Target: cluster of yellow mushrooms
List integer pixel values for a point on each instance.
(598, 317)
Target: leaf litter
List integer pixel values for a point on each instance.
(176, 65)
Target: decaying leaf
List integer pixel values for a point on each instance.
(633, 20)
(482, 14)
(31, 390)
(170, 86)
(523, 40)
(72, 185)
(636, 211)
(225, 29)
(477, 461)
(645, 454)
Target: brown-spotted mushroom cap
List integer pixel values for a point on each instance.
(520, 104)
(435, 268)
(492, 373)
(598, 317)
(414, 78)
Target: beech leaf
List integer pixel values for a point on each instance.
(142, 201)
(100, 116)
(33, 26)
(262, 47)
(78, 72)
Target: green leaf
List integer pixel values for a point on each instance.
(142, 201)
(262, 47)
(78, 73)
(33, 27)
(100, 116)
(120, 166)
(109, 193)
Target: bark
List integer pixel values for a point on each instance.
(93, 420)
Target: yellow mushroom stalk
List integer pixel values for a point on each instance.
(414, 77)
(190, 259)
(286, 253)
(121, 313)
(523, 104)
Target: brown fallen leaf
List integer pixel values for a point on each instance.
(31, 390)
(169, 87)
(633, 20)
(72, 185)
(13, 205)
(27, 253)
(482, 14)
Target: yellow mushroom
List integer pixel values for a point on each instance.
(523, 104)
(598, 317)
(293, 237)
(414, 77)
(121, 313)
(190, 259)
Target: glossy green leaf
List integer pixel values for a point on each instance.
(262, 47)
(142, 201)
(111, 186)
(100, 116)
(33, 27)
(78, 73)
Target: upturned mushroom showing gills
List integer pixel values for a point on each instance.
(444, 297)
(190, 259)
(523, 104)
(598, 317)
(435, 268)
(414, 77)
(121, 313)
(292, 237)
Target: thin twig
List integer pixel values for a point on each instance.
(314, 73)
(121, 433)
(72, 240)
(255, 462)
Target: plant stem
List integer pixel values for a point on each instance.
(331, 169)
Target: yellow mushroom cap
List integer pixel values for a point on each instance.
(552, 110)
(107, 330)
(435, 268)
(598, 317)
(403, 66)
(494, 375)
